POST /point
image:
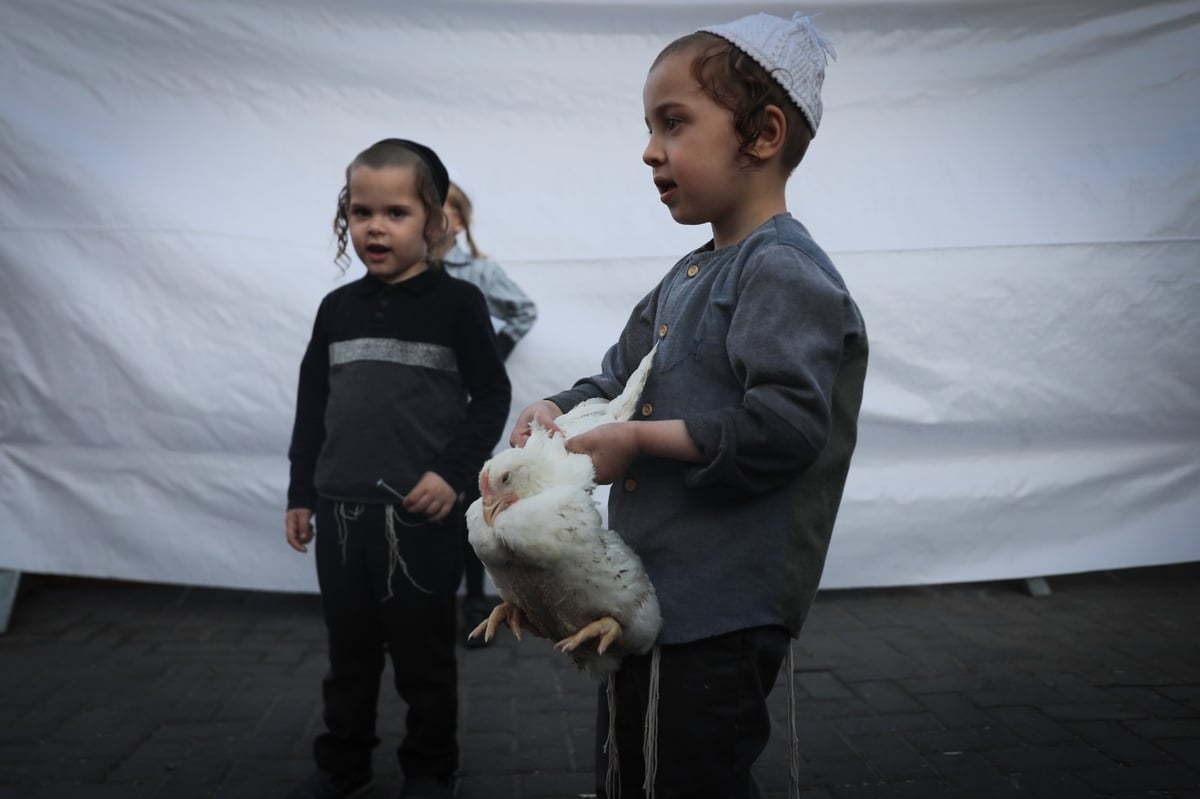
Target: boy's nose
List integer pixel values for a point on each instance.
(652, 155)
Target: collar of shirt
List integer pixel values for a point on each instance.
(456, 256)
(418, 284)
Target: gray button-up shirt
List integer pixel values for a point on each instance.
(762, 353)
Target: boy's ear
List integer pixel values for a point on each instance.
(437, 228)
(772, 135)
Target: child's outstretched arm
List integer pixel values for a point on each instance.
(507, 302)
(613, 447)
(308, 435)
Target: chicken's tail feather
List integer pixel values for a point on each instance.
(624, 405)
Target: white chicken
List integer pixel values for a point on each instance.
(558, 569)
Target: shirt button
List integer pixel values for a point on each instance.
(647, 409)
(662, 331)
(631, 484)
(693, 270)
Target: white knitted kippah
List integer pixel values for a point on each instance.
(792, 51)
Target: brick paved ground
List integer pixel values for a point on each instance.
(127, 690)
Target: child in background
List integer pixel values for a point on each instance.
(401, 398)
(517, 313)
(729, 482)
(505, 299)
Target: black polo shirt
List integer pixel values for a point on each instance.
(398, 379)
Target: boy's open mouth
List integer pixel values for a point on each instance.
(665, 187)
(378, 249)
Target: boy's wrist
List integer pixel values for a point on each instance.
(641, 437)
(666, 438)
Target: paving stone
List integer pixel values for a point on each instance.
(1187, 694)
(1131, 780)
(490, 787)
(1053, 784)
(954, 710)
(892, 758)
(1165, 728)
(895, 722)
(1114, 709)
(972, 772)
(1185, 751)
(835, 774)
(909, 789)
(885, 696)
(975, 691)
(1032, 725)
(821, 685)
(555, 785)
(1116, 741)
(1069, 757)
(1013, 691)
(950, 682)
(1153, 702)
(964, 739)
(819, 740)
(851, 707)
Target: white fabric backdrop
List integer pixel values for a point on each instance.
(1012, 192)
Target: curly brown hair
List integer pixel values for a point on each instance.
(736, 81)
(390, 152)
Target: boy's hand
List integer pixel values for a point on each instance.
(613, 447)
(544, 412)
(299, 528)
(431, 496)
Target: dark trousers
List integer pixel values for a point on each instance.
(395, 596)
(712, 716)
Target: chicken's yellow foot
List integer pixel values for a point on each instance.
(504, 613)
(606, 628)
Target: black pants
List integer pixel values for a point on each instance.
(399, 597)
(712, 716)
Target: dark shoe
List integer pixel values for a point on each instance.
(429, 788)
(323, 784)
(475, 610)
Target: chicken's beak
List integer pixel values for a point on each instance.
(492, 506)
(489, 512)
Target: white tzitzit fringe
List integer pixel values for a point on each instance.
(612, 775)
(793, 741)
(650, 731)
(343, 518)
(394, 557)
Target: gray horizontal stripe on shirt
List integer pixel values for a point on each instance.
(408, 353)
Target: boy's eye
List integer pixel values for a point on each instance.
(359, 213)
(397, 213)
(667, 123)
